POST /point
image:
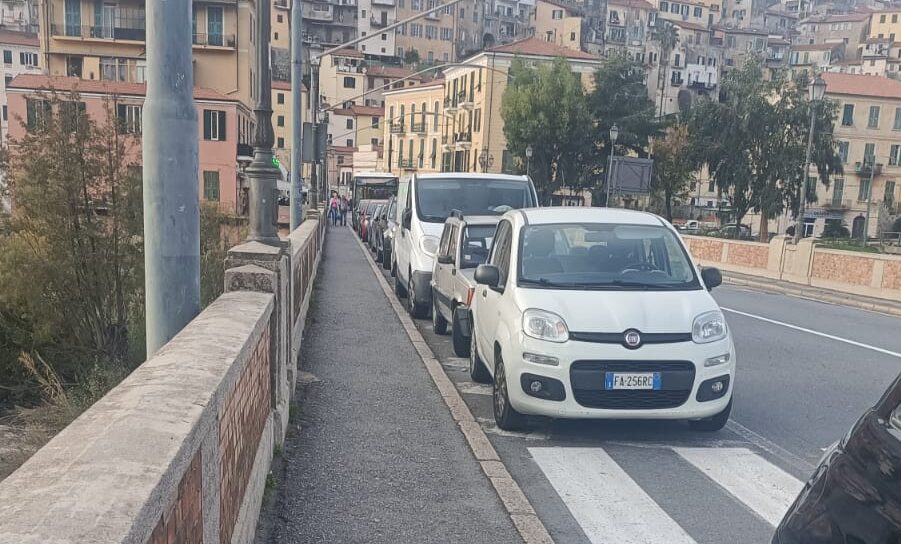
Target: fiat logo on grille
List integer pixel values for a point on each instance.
(631, 338)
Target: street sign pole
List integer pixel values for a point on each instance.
(297, 114)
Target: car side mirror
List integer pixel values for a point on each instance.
(488, 274)
(712, 277)
(445, 259)
(407, 219)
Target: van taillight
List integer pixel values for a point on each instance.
(469, 294)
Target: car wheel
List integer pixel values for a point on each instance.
(715, 423)
(477, 370)
(399, 288)
(439, 324)
(417, 309)
(505, 416)
(461, 343)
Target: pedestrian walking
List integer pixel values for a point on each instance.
(333, 208)
(344, 207)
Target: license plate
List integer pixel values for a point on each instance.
(632, 380)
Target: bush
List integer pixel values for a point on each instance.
(835, 229)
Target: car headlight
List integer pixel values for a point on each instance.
(429, 245)
(709, 327)
(544, 326)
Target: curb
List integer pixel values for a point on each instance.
(819, 296)
(518, 507)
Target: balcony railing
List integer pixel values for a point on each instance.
(383, 2)
(316, 15)
(136, 34)
(214, 40)
(281, 4)
(398, 128)
(417, 127)
(699, 85)
(378, 23)
(405, 163)
(837, 204)
(463, 137)
(867, 168)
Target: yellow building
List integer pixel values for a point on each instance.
(866, 129)
(432, 37)
(354, 126)
(281, 19)
(706, 13)
(414, 122)
(558, 23)
(342, 78)
(282, 116)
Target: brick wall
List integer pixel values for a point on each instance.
(842, 267)
(183, 523)
(748, 255)
(891, 275)
(706, 249)
(241, 423)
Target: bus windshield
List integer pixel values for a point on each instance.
(435, 198)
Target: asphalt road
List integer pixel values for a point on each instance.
(806, 370)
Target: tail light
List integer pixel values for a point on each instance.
(469, 294)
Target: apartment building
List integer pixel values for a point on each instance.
(329, 22)
(104, 41)
(354, 126)
(374, 16)
(506, 21)
(777, 54)
(19, 15)
(869, 118)
(849, 29)
(740, 43)
(693, 68)
(780, 22)
(20, 56)
(885, 25)
(342, 78)
(814, 58)
(380, 79)
(558, 23)
(743, 13)
(282, 115)
(217, 127)
(430, 39)
(473, 139)
(698, 13)
(413, 126)
(630, 25)
(281, 25)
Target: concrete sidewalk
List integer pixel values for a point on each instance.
(814, 293)
(373, 454)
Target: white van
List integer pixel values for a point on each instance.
(424, 201)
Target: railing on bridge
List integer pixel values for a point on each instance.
(184, 444)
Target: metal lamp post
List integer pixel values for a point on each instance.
(297, 114)
(528, 159)
(816, 89)
(614, 134)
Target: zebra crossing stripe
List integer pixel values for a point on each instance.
(763, 487)
(604, 500)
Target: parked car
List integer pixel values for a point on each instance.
(728, 231)
(425, 202)
(357, 213)
(599, 313)
(383, 235)
(364, 218)
(464, 245)
(854, 495)
(372, 225)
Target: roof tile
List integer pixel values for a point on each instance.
(541, 48)
(861, 85)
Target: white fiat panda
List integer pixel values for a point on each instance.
(599, 313)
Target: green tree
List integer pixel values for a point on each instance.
(545, 107)
(620, 97)
(667, 37)
(675, 163)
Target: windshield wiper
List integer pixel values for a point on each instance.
(630, 283)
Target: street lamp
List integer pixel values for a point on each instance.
(528, 158)
(614, 135)
(816, 90)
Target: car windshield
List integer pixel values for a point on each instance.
(476, 245)
(435, 198)
(604, 256)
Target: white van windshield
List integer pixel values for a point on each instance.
(604, 256)
(435, 198)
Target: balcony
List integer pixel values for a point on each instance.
(450, 105)
(699, 85)
(320, 15)
(379, 23)
(389, 3)
(867, 168)
(418, 128)
(616, 34)
(405, 163)
(91, 32)
(435, 15)
(215, 40)
(281, 4)
(463, 139)
(398, 128)
(837, 204)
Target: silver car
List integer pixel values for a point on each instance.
(465, 243)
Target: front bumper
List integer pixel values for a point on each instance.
(581, 371)
(422, 287)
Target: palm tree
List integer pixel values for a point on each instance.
(667, 36)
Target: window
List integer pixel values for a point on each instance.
(882, 18)
(863, 192)
(350, 82)
(280, 98)
(349, 142)
(129, 117)
(698, 13)
(685, 10)
(375, 122)
(72, 11)
(37, 112)
(7, 56)
(894, 17)
(211, 185)
(462, 13)
(838, 186)
(363, 13)
(28, 59)
(572, 36)
(894, 156)
(676, 60)
(730, 42)
(280, 18)
(421, 152)
(873, 121)
(842, 148)
(214, 125)
(435, 116)
(434, 156)
(349, 124)
(897, 119)
(500, 250)
(888, 196)
(848, 115)
(664, 6)
(674, 8)
(280, 143)
(415, 5)
(557, 14)
(374, 141)
(447, 34)
(7, 79)
(214, 25)
(869, 153)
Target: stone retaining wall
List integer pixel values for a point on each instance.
(180, 450)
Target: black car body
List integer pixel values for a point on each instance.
(357, 213)
(854, 496)
(382, 235)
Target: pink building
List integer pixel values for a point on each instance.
(217, 125)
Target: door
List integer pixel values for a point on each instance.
(487, 307)
(857, 227)
(108, 20)
(214, 24)
(403, 238)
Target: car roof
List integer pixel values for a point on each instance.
(470, 175)
(579, 214)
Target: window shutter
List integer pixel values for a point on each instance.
(222, 133)
(207, 128)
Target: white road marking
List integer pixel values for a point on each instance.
(761, 486)
(608, 505)
(817, 333)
